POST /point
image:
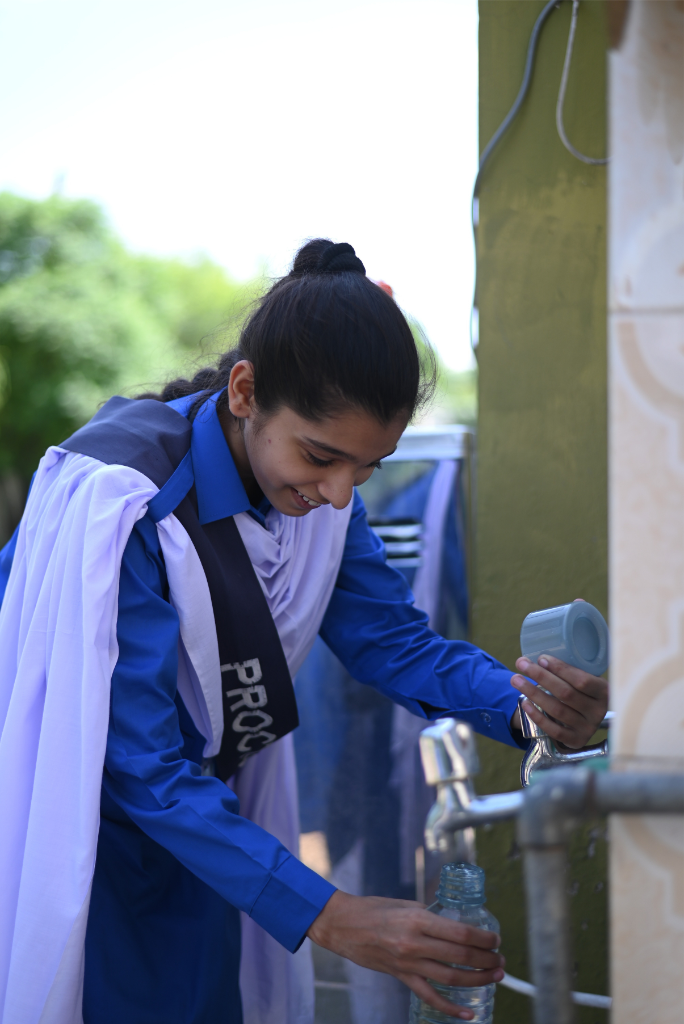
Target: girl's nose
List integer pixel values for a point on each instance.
(337, 490)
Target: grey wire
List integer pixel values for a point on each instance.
(497, 136)
(510, 116)
(561, 95)
(522, 92)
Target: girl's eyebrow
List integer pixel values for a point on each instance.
(336, 451)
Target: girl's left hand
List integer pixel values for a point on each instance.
(575, 705)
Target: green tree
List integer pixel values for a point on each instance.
(456, 399)
(82, 319)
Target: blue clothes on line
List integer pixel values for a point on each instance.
(345, 759)
(175, 858)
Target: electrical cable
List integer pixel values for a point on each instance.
(522, 93)
(509, 118)
(597, 161)
(496, 138)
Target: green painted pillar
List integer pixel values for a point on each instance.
(541, 506)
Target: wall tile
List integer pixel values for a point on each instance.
(646, 427)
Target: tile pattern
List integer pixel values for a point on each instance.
(646, 403)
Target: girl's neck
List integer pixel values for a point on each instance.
(235, 440)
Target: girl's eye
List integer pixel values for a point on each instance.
(377, 465)
(318, 462)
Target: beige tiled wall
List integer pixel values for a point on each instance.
(646, 401)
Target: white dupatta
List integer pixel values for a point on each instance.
(58, 649)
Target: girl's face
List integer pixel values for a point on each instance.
(301, 464)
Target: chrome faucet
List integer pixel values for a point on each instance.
(450, 761)
(577, 634)
(543, 753)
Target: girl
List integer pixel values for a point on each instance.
(177, 557)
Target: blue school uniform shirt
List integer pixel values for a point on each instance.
(175, 859)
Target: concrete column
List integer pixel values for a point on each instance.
(646, 428)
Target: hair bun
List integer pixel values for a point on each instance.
(340, 257)
(321, 256)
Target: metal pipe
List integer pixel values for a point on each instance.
(548, 923)
(552, 808)
(484, 810)
(638, 792)
(547, 813)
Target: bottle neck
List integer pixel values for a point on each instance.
(461, 885)
(445, 901)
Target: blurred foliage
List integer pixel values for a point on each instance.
(81, 319)
(456, 398)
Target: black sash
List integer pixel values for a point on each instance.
(259, 704)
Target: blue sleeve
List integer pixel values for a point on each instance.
(194, 817)
(7, 554)
(6, 559)
(380, 637)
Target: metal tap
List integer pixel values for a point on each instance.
(547, 814)
(543, 753)
(450, 761)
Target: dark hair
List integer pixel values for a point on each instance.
(323, 338)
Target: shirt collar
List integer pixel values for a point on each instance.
(220, 492)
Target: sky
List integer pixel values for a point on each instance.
(239, 128)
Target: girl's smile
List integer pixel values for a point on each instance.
(309, 501)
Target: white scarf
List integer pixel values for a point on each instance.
(58, 649)
(278, 988)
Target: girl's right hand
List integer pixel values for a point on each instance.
(401, 938)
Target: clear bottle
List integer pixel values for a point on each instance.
(461, 897)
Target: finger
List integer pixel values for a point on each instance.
(568, 737)
(574, 738)
(560, 687)
(565, 690)
(584, 682)
(443, 974)
(564, 713)
(424, 990)
(453, 953)
(454, 931)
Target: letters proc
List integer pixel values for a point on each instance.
(251, 698)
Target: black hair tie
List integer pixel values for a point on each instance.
(339, 257)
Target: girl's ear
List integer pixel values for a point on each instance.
(241, 389)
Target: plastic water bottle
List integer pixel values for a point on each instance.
(460, 897)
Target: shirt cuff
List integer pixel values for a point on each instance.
(290, 902)
(492, 715)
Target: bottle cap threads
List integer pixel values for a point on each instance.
(461, 883)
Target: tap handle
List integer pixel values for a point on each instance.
(448, 752)
(530, 729)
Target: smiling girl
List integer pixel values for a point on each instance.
(176, 560)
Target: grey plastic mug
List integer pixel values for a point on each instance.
(575, 633)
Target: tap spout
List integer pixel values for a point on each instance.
(485, 810)
(543, 753)
(449, 760)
